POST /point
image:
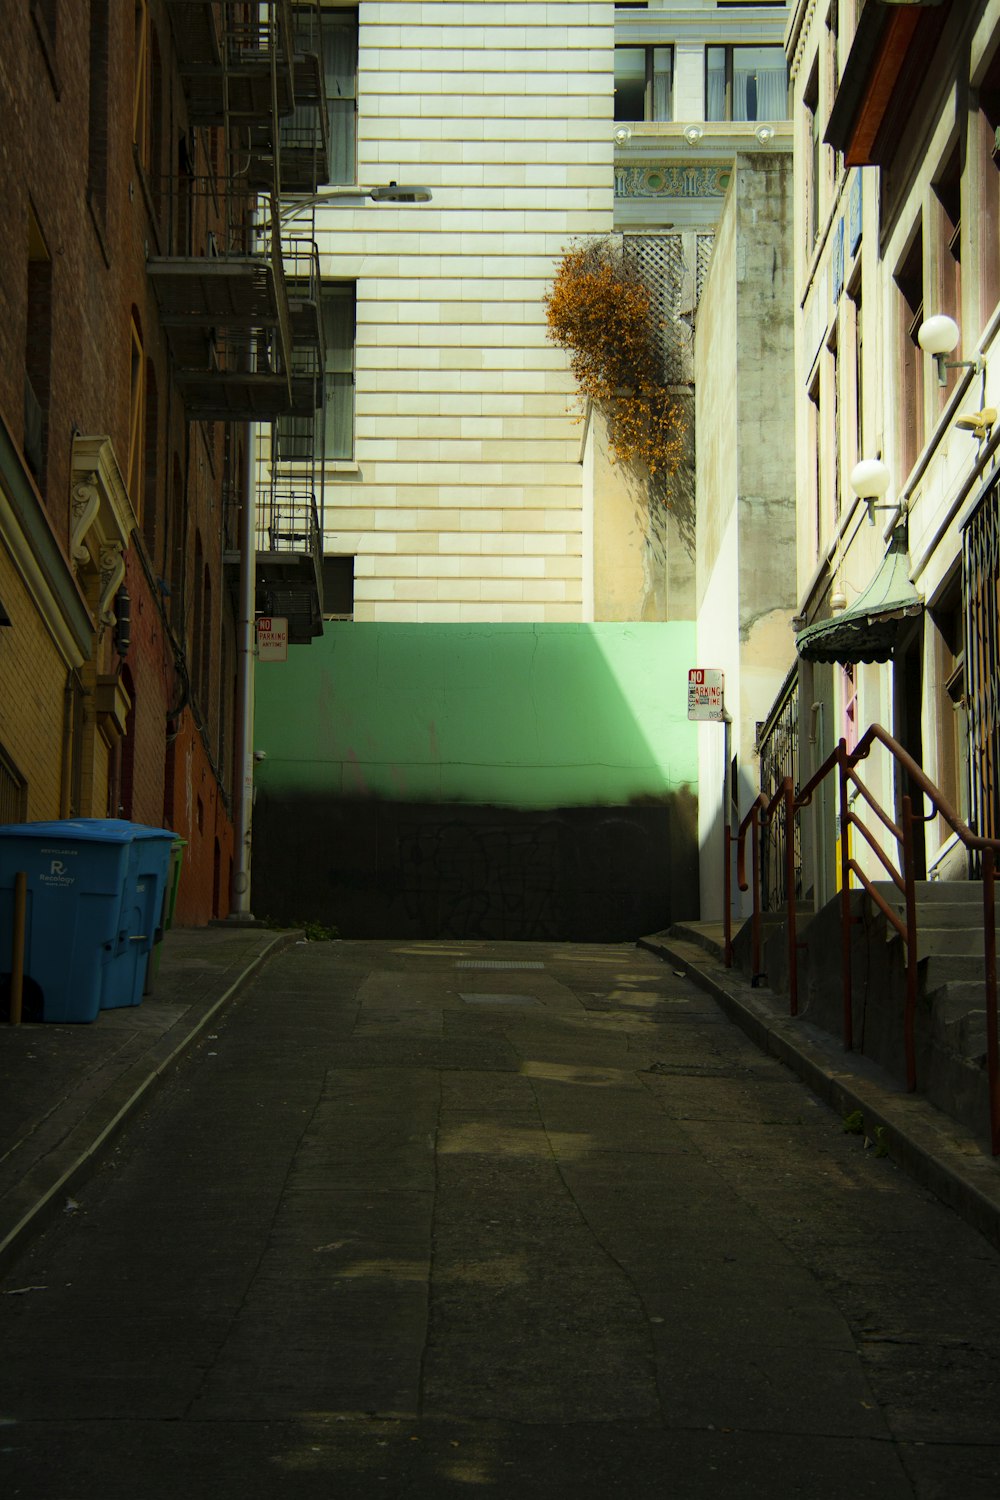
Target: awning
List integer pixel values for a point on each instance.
(868, 631)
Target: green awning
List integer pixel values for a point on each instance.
(868, 631)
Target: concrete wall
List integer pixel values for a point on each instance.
(745, 479)
(476, 780)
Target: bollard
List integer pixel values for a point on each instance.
(17, 946)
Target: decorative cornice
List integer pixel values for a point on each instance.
(673, 179)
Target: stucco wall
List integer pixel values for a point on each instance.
(478, 780)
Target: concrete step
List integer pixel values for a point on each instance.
(956, 892)
(966, 942)
(946, 968)
(958, 1019)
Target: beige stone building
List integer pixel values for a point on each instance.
(898, 195)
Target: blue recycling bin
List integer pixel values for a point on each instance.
(77, 872)
(144, 900)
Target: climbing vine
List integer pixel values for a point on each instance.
(599, 310)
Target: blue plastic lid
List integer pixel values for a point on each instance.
(95, 830)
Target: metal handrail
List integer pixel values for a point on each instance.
(901, 872)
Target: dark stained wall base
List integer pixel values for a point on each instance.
(379, 869)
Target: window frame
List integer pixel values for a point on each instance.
(649, 115)
(729, 50)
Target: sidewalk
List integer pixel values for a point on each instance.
(65, 1090)
(938, 1152)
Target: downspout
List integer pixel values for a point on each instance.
(819, 806)
(243, 791)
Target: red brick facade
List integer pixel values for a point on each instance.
(95, 145)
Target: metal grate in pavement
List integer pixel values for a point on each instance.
(497, 963)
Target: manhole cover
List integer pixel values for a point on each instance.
(499, 999)
(497, 963)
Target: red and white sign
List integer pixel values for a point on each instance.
(272, 638)
(706, 693)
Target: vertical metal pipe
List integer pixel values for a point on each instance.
(788, 805)
(845, 902)
(990, 939)
(755, 877)
(17, 947)
(243, 799)
(909, 886)
(727, 845)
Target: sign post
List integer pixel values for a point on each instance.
(707, 703)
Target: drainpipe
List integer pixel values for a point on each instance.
(819, 805)
(243, 813)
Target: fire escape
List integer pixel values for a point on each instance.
(241, 310)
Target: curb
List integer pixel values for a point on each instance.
(937, 1152)
(79, 1153)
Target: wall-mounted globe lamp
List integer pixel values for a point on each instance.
(939, 336)
(870, 482)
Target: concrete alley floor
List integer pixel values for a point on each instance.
(497, 1220)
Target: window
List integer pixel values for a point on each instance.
(338, 588)
(97, 123)
(13, 791)
(38, 350)
(948, 238)
(849, 705)
(833, 435)
(947, 616)
(338, 311)
(141, 89)
(987, 215)
(815, 438)
(910, 314)
(340, 69)
(814, 158)
(746, 83)
(136, 420)
(856, 330)
(644, 78)
(151, 462)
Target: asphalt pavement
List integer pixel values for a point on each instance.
(431, 1220)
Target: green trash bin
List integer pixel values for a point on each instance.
(169, 907)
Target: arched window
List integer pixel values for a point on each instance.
(126, 790)
(194, 655)
(150, 482)
(175, 547)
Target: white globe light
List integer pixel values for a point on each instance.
(870, 479)
(938, 335)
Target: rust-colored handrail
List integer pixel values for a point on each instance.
(900, 871)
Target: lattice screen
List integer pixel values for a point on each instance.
(673, 268)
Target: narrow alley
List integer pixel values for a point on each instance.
(434, 1220)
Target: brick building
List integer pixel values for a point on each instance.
(146, 324)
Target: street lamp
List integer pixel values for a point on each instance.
(354, 197)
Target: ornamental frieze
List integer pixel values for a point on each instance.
(673, 180)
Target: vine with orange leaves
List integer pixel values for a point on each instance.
(600, 311)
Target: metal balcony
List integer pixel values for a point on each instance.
(236, 60)
(289, 562)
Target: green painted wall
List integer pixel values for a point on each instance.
(526, 716)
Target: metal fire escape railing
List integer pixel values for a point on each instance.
(900, 866)
(242, 317)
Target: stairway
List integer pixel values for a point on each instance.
(952, 1004)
